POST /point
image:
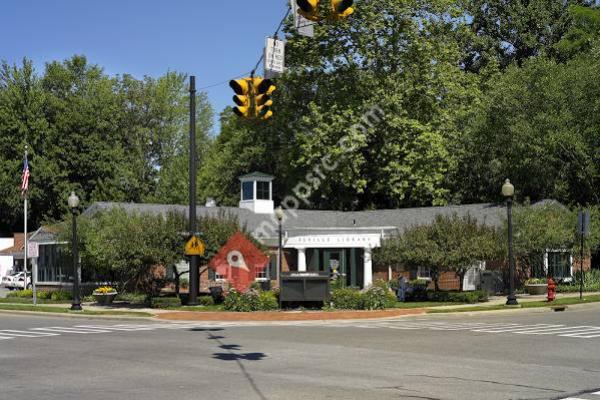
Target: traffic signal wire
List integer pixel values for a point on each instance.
(251, 73)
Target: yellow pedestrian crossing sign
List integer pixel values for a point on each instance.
(194, 247)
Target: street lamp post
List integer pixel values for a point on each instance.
(508, 191)
(76, 303)
(279, 215)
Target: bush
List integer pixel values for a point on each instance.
(165, 302)
(378, 297)
(268, 301)
(252, 300)
(471, 297)
(346, 299)
(44, 294)
(206, 301)
(536, 281)
(21, 294)
(184, 283)
(417, 290)
(132, 298)
(591, 282)
(61, 295)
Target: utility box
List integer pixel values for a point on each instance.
(491, 282)
(304, 286)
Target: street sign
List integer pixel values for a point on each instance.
(33, 250)
(274, 57)
(194, 247)
(303, 26)
(583, 223)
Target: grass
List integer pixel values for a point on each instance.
(525, 304)
(21, 300)
(65, 310)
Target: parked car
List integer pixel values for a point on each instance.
(7, 281)
(16, 281)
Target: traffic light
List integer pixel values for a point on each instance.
(342, 8)
(243, 90)
(263, 88)
(309, 9)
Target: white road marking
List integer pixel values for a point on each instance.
(30, 334)
(6, 337)
(70, 330)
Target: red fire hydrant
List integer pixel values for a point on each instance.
(551, 289)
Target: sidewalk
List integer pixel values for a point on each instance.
(521, 298)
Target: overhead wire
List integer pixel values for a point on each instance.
(261, 58)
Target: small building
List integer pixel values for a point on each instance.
(320, 241)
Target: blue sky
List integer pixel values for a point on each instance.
(214, 40)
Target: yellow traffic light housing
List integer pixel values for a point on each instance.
(342, 8)
(243, 90)
(309, 9)
(253, 97)
(263, 88)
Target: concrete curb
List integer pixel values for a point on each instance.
(278, 316)
(543, 309)
(82, 316)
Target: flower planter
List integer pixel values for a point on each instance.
(536, 288)
(105, 299)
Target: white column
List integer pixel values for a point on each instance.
(301, 260)
(367, 268)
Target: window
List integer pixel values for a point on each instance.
(263, 275)
(423, 273)
(262, 191)
(214, 276)
(247, 190)
(559, 264)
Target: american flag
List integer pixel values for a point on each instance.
(25, 177)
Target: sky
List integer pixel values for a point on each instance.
(213, 40)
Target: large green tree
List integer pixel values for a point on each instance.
(108, 138)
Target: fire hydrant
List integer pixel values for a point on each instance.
(551, 289)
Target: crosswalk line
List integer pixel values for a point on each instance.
(596, 393)
(29, 334)
(70, 330)
(111, 328)
(515, 328)
(563, 330)
(6, 337)
(583, 335)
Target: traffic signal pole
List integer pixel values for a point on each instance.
(194, 259)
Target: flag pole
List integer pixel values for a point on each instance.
(25, 231)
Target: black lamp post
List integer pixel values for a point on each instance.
(279, 215)
(73, 205)
(508, 191)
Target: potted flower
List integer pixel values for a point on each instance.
(536, 286)
(105, 295)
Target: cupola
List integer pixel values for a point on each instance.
(256, 193)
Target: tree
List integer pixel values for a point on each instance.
(108, 138)
(449, 243)
(537, 125)
(510, 32)
(389, 82)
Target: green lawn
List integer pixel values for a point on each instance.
(21, 300)
(66, 310)
(525, 304)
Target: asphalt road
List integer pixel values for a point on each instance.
(484, 356)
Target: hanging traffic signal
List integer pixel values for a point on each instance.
(243, 98)
(342, 8)
(309, 9)
(263, 88)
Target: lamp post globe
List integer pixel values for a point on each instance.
(508, 191)
(73, 202)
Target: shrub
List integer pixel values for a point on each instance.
(591, 283)
(132, 298)
(165, 302)
(417, 290)
(377, 297)
(346, 299)
(267, 301)
(184, 283)
(458, 297)
(44, 294)
(206, 301)
(60, 295)
(536, 281)
(252, 300)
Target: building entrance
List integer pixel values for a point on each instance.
(349, 263)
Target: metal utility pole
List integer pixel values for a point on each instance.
(194, 259)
